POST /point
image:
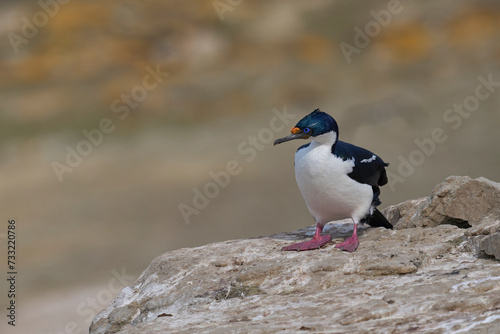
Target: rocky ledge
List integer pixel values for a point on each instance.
(438, 271)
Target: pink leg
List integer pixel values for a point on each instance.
(350, 244)
(316, 242)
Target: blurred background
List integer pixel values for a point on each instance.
(171, 91)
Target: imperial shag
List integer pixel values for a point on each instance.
(337, 180)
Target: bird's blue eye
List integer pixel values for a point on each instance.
(306, 130)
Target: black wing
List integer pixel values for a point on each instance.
(368, 169)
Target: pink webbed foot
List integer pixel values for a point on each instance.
(350, 244)
(316, 242)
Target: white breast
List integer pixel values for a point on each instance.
(330, 194)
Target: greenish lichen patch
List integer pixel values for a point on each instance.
(237, 291)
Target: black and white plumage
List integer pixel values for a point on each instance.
(337, 180)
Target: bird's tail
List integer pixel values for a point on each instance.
(378, 220)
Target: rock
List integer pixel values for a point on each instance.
(408, 209)
(425, 276)
(459, 201)
(490, 245)
(485, 238)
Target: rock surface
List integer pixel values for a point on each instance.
(459, 201)
(436, 272)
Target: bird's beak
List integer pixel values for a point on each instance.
(296, 134)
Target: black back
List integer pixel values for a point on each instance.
(371, 172)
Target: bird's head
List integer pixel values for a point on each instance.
(315, 124)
